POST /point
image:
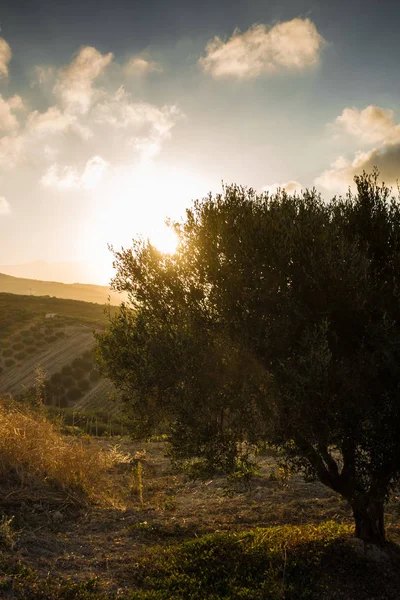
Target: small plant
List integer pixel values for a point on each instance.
(244, 470)
(8, 536)
(138, 475)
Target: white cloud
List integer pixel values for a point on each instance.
(291, 187)
(5, 208)
(43, 74)
(146, 121)
(53, 121)
(69, 178)
(386, 158)
(93, 172)
(370, 125)
(137, 66)
(8, 121)
(74, 85)
(16, 103)
(11, 150)
(5, 57)
(292, 45)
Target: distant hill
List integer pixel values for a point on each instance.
(57, 336)
(72, 291)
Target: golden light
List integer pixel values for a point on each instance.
(164, 239)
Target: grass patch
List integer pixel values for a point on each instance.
(38, 463)
(277, 563)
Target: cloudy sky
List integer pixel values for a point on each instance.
(115, 115)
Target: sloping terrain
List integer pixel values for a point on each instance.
(73, 291)
(175, 538)
(50, 342)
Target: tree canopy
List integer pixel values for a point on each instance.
(277, 320)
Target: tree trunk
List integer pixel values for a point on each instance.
(369, 520)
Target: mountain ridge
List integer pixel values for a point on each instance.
(86, 292)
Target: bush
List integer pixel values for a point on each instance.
(56, 378)
(84, 385)
(79, 373)
(74, 394)
(68, 381)
(94, 375)
(9, 362)
(7, 352)
(20, 355)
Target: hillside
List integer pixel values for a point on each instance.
(56, 336)
(73, 291)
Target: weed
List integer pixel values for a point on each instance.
(8, 536)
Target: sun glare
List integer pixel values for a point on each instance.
(164, 239)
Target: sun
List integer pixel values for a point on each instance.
(164, 239)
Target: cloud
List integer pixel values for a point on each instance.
(120, 112)
(54, 121)
(68, 177)
(43, 74)
(11, 151)
(5, 208)
(74, 85)
(5, 57)
(291, 187)
(137, 66)
(292, 45)
(341, 174)
(8, 121)
(112, 125)
(370, 125)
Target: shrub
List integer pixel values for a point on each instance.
(84, 385)
(74, 394)
(20, 355)
(79, 373)
(9, 362)
(94, 375)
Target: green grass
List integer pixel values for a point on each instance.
(286, 562)
(277, 563)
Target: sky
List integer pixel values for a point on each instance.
(116, 115)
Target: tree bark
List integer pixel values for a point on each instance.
(369, 521)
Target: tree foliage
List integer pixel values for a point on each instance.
(277, 320)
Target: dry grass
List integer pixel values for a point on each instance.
(38, 463)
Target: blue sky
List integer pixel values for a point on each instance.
(116, 115)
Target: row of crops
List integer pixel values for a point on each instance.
(65, 388)
(30, 341)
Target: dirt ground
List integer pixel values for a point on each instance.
(105, 542)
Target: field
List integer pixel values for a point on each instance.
(276, 538)
(52, 339)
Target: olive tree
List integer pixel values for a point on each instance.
(277, 320)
